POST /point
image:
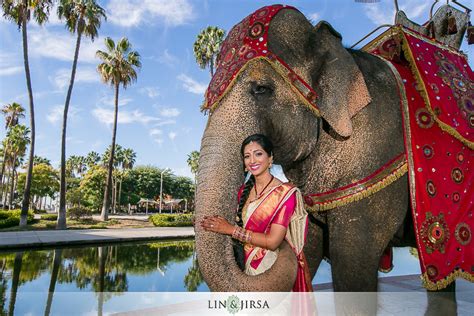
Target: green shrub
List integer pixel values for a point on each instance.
(78, 212)
(171, 220)
(12, 218)
(49, 217)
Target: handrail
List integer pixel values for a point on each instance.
(383, 25)
(462, 6)
(468, 11)
(432, 7)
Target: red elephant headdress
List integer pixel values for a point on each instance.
(246, 42)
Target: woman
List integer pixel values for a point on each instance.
(269, 211)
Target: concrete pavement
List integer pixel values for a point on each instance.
(28, 239)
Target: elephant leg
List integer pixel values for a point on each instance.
(358, 234)
(354, 255)
(442, 302)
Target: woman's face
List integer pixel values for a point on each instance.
(256, 159)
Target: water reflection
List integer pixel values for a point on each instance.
(106, 270)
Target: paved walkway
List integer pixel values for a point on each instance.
(27, 239)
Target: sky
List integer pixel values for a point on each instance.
(159, 115)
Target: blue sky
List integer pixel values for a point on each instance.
(159, 115)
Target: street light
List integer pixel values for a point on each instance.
(161, 187)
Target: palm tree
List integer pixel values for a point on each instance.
(117, 68)
(20, 11)
(129, 157)
(207, 46)
(118, 161)
(82, 17)
(193, 163)
(17, 139)
(92, 159)
(13, 112)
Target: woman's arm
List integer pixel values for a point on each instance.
(270, 240)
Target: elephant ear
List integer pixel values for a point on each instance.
(340, 85)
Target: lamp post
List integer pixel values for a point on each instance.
(161, 187)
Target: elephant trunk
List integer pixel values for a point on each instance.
(219, 177)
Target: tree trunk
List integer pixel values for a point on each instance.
(53, 279)
(211, 66)
(29, 171)
(102, 259)
(3, 165)
(2, 191)
(5, 194)
(15, 282)
(108, 184)
(114, 193)
(12, 184)
(120, 195)
(61, 222)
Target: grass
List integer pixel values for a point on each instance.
(81, 224)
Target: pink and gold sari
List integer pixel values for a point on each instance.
(282, 205)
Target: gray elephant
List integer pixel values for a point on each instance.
(357, 130)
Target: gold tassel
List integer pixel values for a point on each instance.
(443, 283)
(324, 206)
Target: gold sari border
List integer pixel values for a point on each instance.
(380, 179)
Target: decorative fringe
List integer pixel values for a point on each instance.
(443, 283)
(324, 206)
(424, 94)
(278, 69)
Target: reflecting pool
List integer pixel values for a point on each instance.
(32, 281)
(164, 266)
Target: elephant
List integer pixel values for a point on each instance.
(359, 129)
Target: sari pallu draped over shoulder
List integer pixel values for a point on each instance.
(281, 205)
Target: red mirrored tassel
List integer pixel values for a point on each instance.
(470, 34)
(452, 27)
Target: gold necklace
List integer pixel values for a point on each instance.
(257, 196)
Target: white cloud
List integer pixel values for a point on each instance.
(167, 122)
(129, 13)
(167, 58)
(63, 75)
(124, 117)
(192, 85)
(172, 135)
(61, 45)
(169, 112)
(314, 17)
(384, 12)
(56, 113)
(8, 71)
(9, 64)
(151, 92)
(156, 135)
(110, 100)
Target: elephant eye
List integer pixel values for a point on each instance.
(259, 89)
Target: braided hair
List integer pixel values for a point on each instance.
(267, 146)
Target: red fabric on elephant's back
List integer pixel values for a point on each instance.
(438, 122)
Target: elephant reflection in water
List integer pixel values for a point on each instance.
(359, 129)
